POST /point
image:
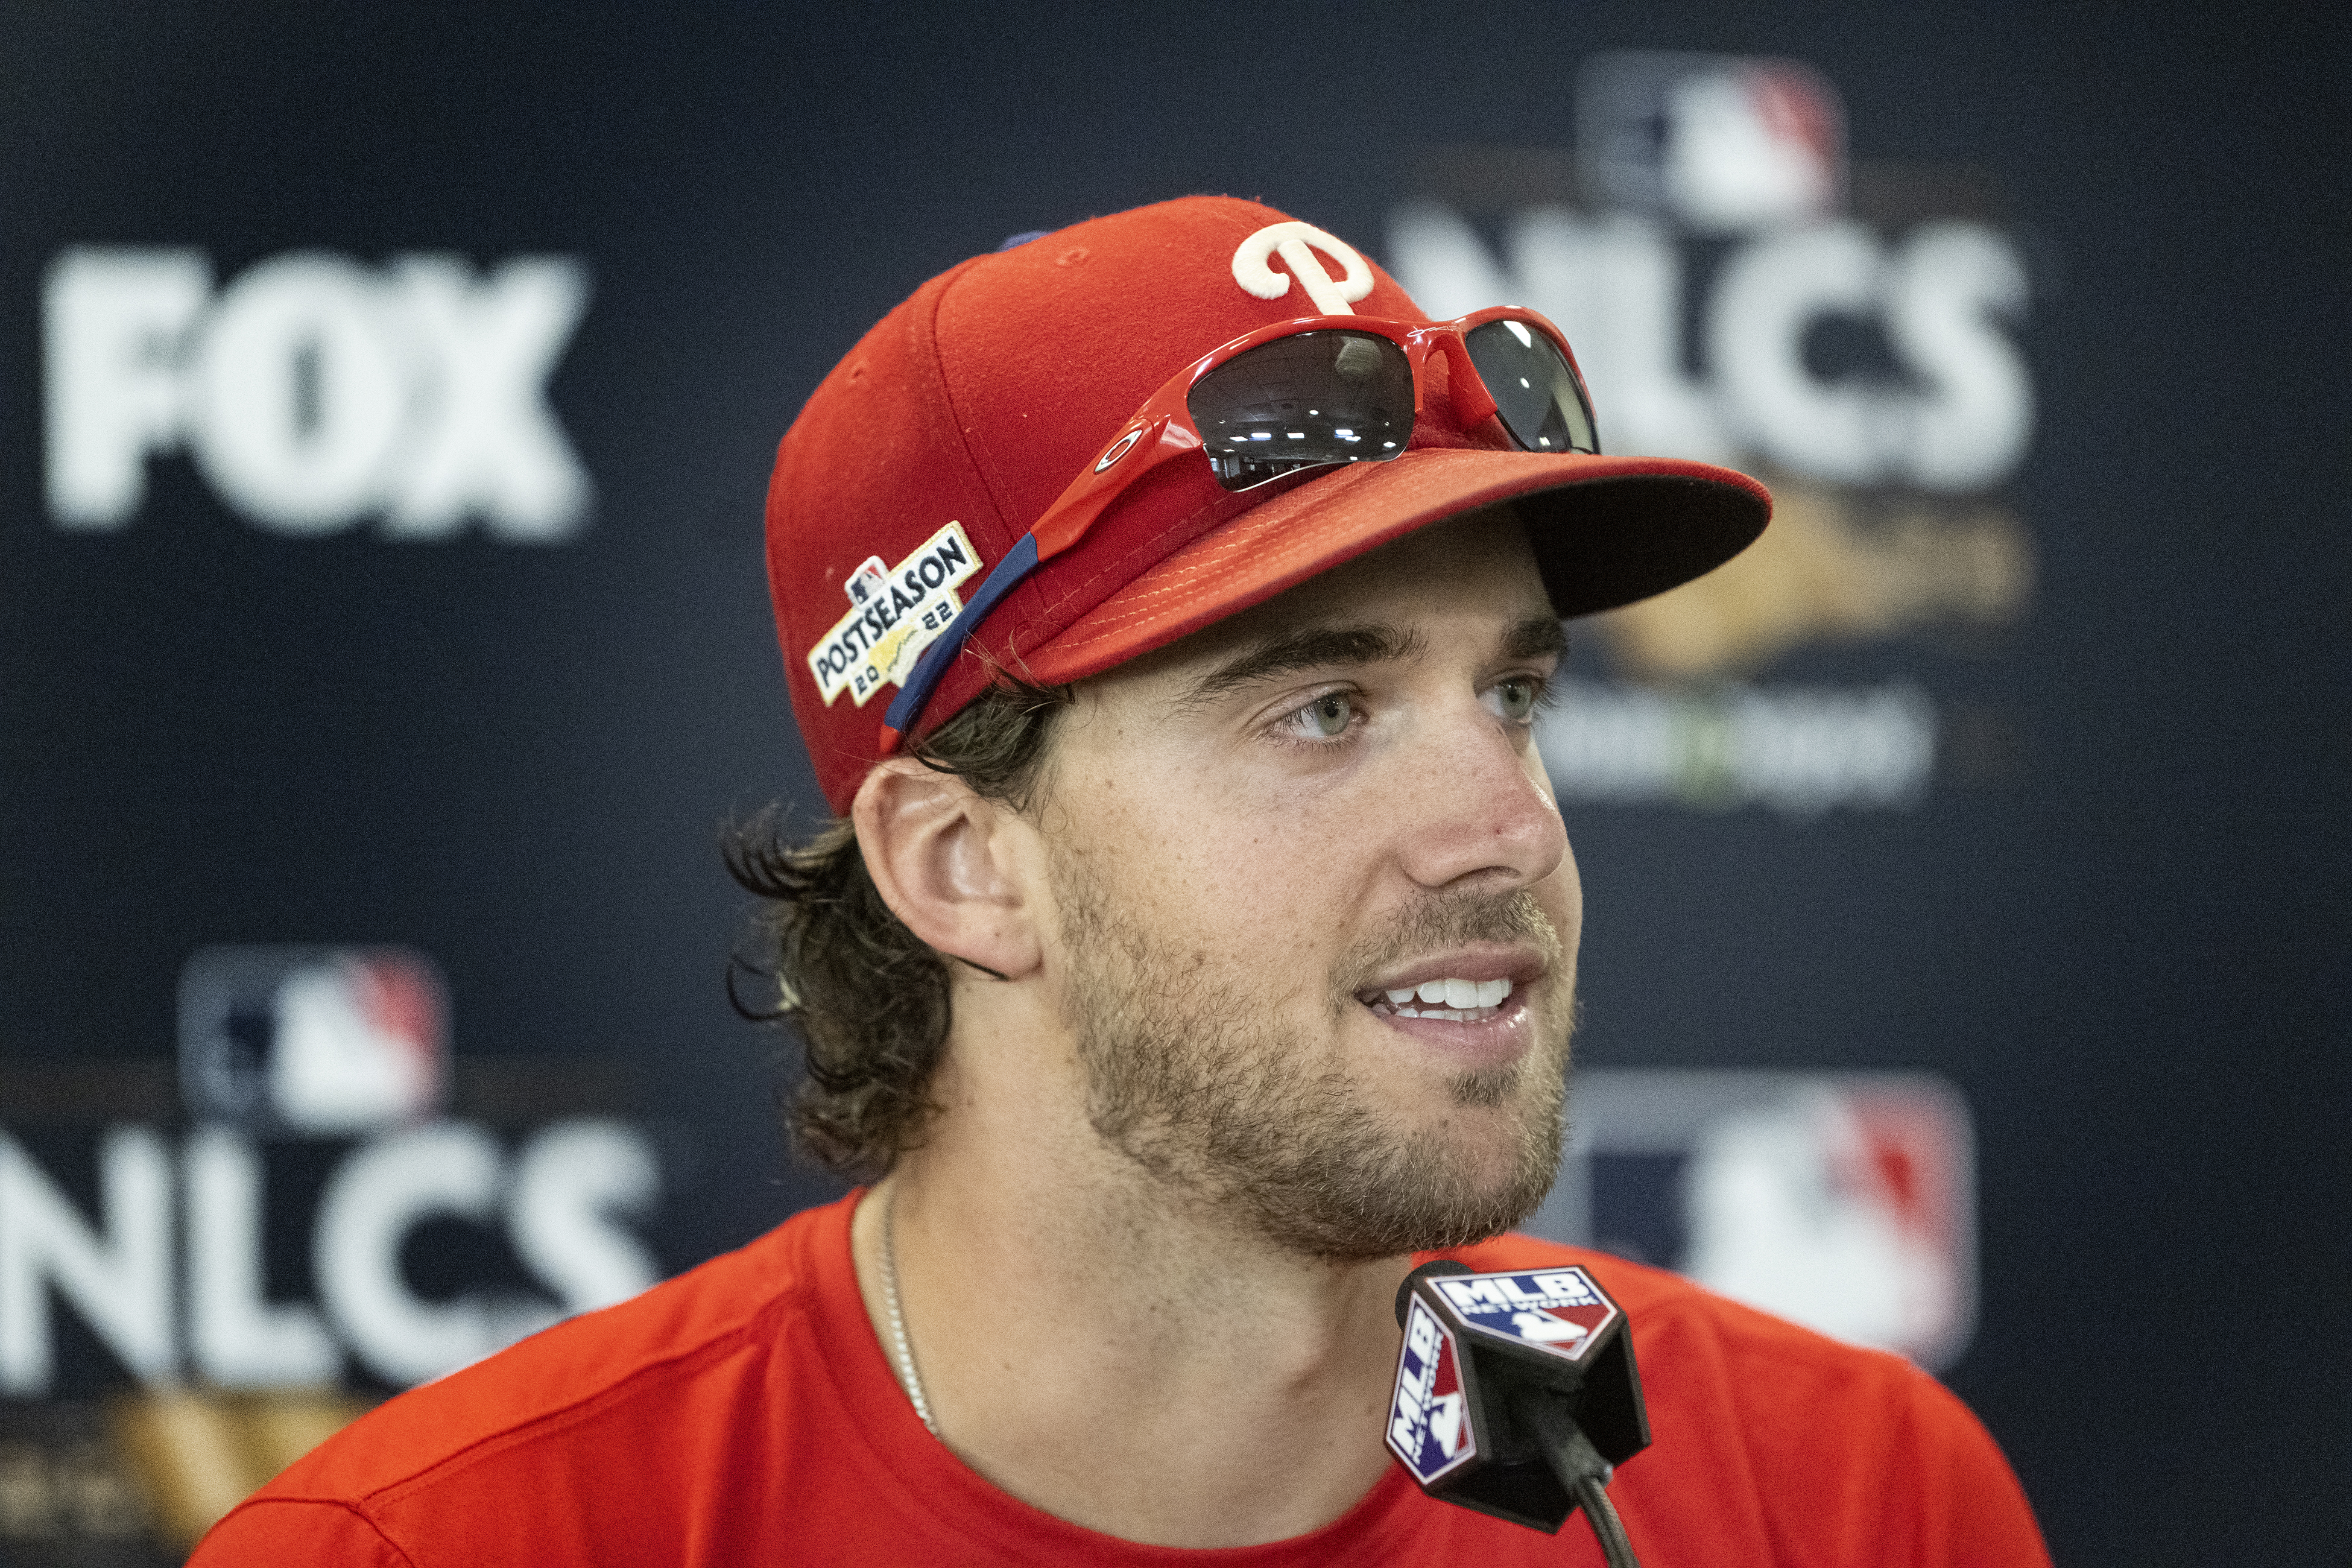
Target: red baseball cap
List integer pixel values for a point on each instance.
(933, 447)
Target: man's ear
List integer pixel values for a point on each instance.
(950, 865)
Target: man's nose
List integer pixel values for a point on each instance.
(1479, 805)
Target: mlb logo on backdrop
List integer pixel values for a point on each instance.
(1844, 1202)
(313, 1041)
(1719, 142)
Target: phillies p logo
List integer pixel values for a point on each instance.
(1297, 244)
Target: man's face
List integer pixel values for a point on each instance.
(1317, 916)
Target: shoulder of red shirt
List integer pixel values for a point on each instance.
(568, 1372)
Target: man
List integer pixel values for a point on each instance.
(1167, 606)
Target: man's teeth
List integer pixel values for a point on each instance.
(1447, 998)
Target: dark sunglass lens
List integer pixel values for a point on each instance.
(1301, 402)
(1534, 391)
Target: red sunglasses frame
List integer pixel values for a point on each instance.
(1163, 429)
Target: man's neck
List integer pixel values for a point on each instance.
(1124, 1359)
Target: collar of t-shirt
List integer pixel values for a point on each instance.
(921, 1488)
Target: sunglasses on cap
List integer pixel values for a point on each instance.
(1307, 394)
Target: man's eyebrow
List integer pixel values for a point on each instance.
(1309, 649)
(1537, 636)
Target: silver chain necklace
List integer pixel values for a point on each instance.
(908, 1377)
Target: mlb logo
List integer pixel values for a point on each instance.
(313, 1041)
(1429, 1414)
(1843, 1202)
(1558, 1310)
(1717, 142)
(868, 579)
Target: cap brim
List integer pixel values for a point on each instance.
(1605, 530)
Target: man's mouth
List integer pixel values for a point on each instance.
(1451, 1000)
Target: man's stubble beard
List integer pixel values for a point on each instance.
(1222, 1105)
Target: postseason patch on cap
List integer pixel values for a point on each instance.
(1429, 1418)
(1557, 1310)
(895, 613)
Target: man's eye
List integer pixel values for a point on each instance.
(1516, 699)
(1327, 718)
(1329, 714)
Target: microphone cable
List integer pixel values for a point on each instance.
(1580, 1468)
(1607, 1528)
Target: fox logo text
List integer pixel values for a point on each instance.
(313, 391)
(1429, 1418)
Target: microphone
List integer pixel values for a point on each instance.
(1516, 1395)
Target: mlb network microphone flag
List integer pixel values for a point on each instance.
(1480, 1352)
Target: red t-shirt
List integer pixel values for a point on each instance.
(743, 1414)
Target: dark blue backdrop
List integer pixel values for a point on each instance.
(2126, 949)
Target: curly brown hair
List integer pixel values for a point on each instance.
(870, 998)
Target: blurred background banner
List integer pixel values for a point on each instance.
(386, 401)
